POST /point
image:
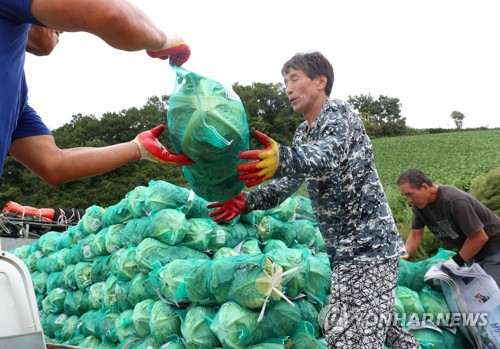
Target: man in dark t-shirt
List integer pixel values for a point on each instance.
(456, 218)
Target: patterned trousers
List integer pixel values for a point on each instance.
(361, 311)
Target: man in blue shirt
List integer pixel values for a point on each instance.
(23, 135)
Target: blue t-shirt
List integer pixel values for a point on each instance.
(17, 118)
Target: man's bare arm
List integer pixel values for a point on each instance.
(118, 22)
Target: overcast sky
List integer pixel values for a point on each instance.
(434, 56)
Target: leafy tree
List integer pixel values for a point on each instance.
(458, 118)
(269, 111)
(382, 116)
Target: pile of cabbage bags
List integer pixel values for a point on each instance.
(422, 308)
(154, 271)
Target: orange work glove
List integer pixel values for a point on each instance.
(151, 149)
(174, 49)
(228, 210)
(256, 172)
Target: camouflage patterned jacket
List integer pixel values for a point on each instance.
(335, 159)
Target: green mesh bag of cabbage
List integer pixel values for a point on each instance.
(207, 122)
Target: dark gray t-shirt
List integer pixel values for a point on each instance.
(454, 216)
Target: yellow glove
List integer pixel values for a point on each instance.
(256, 172)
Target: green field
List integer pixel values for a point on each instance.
(454, 158)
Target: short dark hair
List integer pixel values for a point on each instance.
(313, 64)
(414, 177)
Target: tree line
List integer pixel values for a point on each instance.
(268, 110)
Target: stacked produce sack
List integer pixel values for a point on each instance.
(422, 308)
(154, 271)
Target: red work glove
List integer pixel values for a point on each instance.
(151, 149)
(174, 49)
(256, 172)
(228, 210)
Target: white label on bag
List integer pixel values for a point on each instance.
(220, 237)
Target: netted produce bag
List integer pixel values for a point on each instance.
(305, 338)
(106, 323)
(293, 259)
(252, 217)
(399, 308)
(114, 235)
(224, 252)
(125, 329)
(88, 322)
(429, 338)
(39, 281)
(71, 237)
(117, 213)
(230, 235)
(319, 280)
(161, 194)
(200, 231)
(57, 260)
(302, 232)
(441, 256)
(310, 314)
(95, 293)
(100, 269)
(136, 201)
(434, 303)
(136, 290)
(238, 327)
(136, 230)
(168, 280)
(164, 322)
(411, 275)
(47, 243)
(196, 330)
(140, 343)
(141, 316)
(90, 223)
(82, 275)
(169, 226)
(275, 343)
(90, 342)
(54, 324)
(70, 329)
(22, 252)
(285, 211)
(207, 122)
(249, 246)
(411, 302)
(82, 251)
(55, 280)
(151, 253)
(127, 265)
(74, 303)
(31, 260)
